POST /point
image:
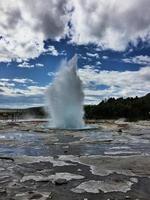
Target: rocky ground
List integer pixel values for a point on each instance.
(109, 162)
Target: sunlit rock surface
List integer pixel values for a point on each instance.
(102, 163)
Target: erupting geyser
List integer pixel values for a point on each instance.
(65, 97)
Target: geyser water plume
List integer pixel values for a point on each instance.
(65, 97)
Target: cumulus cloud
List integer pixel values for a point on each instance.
(51, 50)
(51, 22)
(105, 57)
(118, 84)
(29, 94)
(98, 63)
(39, 65)
(26, 24)
(141, 60)
(26, 64)
(21, 80)
(93, 55)
(10, 89)
(110, 24)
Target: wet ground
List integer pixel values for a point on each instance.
(109, 162)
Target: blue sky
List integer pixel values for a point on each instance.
(111, 40)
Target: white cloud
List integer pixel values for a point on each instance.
(127, 83)
(22, 80)
(5, 84)
(118, 84)
(4, 79)
(110, 24)
(98, 63)
(93, 55)
(10, 91)
(105, 57)
(9, 87)
(39, 65)
(29, 94)
(51, 73)
(51, 50)
(141, 60)
(35, 90)
(25, 24)
(25, 65)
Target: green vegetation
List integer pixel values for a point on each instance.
(137, 108)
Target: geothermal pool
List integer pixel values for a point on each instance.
(82, 142)
(110, 162)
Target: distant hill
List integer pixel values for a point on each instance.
(33, 112)
(137, 108)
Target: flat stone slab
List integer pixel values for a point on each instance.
(91, 164)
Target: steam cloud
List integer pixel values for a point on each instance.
(65, 97)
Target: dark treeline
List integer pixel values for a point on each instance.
(137, 108)
(36, 112)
